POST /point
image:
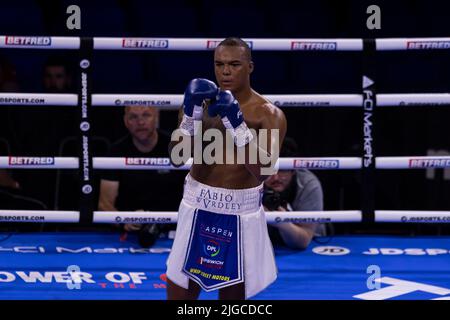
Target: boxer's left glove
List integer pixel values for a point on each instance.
(196, 92)
(227, 107)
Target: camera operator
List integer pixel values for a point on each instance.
(293, 190)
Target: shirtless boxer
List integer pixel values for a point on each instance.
(221, 239)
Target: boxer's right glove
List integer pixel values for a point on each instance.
(196, 92)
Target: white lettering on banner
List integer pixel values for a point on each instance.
(83, 250)
(145, 43)
(429, 163)
(147, 161)
(29, 249)
(70, 277)
(300, 163)
(84, 95)
(7, 277)
(121, 277)
(35, 276)
(368, 106)
(137, 277)
(398, 288)
(31, 161)
(85, 158)
(28, 41)
(417, 45)
(117, 277)
(409, 251)
(298, 45)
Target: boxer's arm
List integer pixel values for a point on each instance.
(177, 138)
(296, 236)
(108, 195)
(274, 121)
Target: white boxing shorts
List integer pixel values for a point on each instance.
(200, 241)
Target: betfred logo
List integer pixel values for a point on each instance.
(313, 46)
(429, 163)
(324, 164)
(147, 161)
(212, 44)
(24, 161)
(28, 41)
(420, 45)
(145, 43)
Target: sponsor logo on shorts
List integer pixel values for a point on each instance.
(429, 163)
(325, 164)
(31, 161)
(210, 263)
(211, 248)
(211, 199)
(313, 46)
(147, 162)
(421, 45)
(28, 41)
(215, 231)
(145, 43)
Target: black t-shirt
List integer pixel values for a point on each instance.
(156, 190)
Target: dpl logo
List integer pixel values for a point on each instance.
(212, 248)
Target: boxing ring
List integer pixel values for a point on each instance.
(337, 270)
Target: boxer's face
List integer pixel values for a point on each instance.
(56, 79)
(141, 122)
(279, 181)
(232, 68)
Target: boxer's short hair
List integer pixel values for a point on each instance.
(237, 42)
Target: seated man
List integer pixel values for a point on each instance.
(293, 190)
(141, 190)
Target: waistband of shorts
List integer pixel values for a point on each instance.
(222, 200)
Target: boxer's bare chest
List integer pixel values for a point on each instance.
(249, 111)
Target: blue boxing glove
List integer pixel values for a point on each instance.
(196, 92)
(227, 107)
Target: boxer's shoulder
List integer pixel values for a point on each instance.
(259, 108)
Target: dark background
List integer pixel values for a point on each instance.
(324, 132)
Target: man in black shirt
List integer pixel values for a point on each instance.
(140, 190)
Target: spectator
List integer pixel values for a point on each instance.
(43, 129)
(293, 190)
(137, 190)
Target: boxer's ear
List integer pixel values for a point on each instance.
(251, 66)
